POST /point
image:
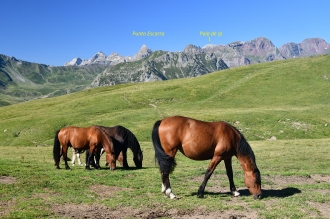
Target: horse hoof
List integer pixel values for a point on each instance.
(235, 193)
(200, 195)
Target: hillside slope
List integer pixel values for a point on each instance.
(20, 80)
(286, 99)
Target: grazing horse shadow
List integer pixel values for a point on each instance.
(279, 193)
(123, 168)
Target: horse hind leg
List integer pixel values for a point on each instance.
(229, 171)
(78, 158)
(65, 156)
(166, 186)
(122, 158)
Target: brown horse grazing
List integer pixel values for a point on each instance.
(200, 140)
(92, 138)
(123, 139)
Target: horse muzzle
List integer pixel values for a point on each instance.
(257, 196)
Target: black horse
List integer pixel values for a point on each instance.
(122, 139)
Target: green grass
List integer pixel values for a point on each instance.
(39, 185)
(286, 99)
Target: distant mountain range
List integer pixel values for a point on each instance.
(31, 80)
(113, 59)
(194, 61)
(234, 54)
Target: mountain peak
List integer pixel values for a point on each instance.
(308, 47)
(142, 53)
(76, 62)
(192, 49)
(100, 54)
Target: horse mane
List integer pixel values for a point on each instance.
(113, 149)
(128, 138)
(122, 135)
(244, 149)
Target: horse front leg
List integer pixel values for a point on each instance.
(213, 164)
(124, 158)
(73, 156)
(89, 157)
(229, 171)
(166, 186)
(97, 160)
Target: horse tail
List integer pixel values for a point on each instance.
(57, 148)
(165, 162)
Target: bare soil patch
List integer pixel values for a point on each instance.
(99, 211)
(7, 180)
(323, 208)
(5, 207)
(104, 191)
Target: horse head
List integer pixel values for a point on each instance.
(252, 181)
(111, 161)
(138, 158)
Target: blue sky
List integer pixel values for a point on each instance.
(54, 32)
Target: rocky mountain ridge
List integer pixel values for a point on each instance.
(308, 47)
(161, 65)
(114, 58)
(195, 61)
(233, 54)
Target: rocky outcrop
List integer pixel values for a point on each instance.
(142, 53)
(308, 47)
(245, 53)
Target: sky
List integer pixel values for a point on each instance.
(53, 32)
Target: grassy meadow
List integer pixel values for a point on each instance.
(287, 100)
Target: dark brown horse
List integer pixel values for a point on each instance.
(123, 139)
(200, 140)
(92, 138)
